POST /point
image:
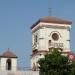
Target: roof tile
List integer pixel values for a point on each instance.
(8, 53)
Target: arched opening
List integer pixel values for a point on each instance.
(8, 64)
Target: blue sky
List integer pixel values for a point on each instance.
(16, 17)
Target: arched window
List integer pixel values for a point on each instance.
(8, 64)
(35, 38)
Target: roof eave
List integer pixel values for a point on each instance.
(60, 22)
(8, 57)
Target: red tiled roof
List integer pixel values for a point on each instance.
(50, 19)
(8, 54)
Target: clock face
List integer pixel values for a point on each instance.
(55, 36)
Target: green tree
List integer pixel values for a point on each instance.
(54, 64)
(72, 68)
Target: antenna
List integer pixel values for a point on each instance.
(50, 11)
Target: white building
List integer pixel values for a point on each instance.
(49, 32)
(8, 61)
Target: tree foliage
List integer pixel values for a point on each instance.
(56, 64)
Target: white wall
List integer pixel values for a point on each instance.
(19, 72)
(13, 64)
(3, 63)
(44, 35)
(35, 60)
(44, 32)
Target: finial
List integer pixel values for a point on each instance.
(8, 49)
(50, 11)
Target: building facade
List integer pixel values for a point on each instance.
(8, 61)
(49, 32)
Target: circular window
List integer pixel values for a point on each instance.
(55, 36)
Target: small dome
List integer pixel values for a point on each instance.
(55, 20)
(9, 54)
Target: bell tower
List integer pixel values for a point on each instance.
(49, 32)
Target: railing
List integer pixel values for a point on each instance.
(56, 45)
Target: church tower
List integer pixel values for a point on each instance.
(49, 32)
